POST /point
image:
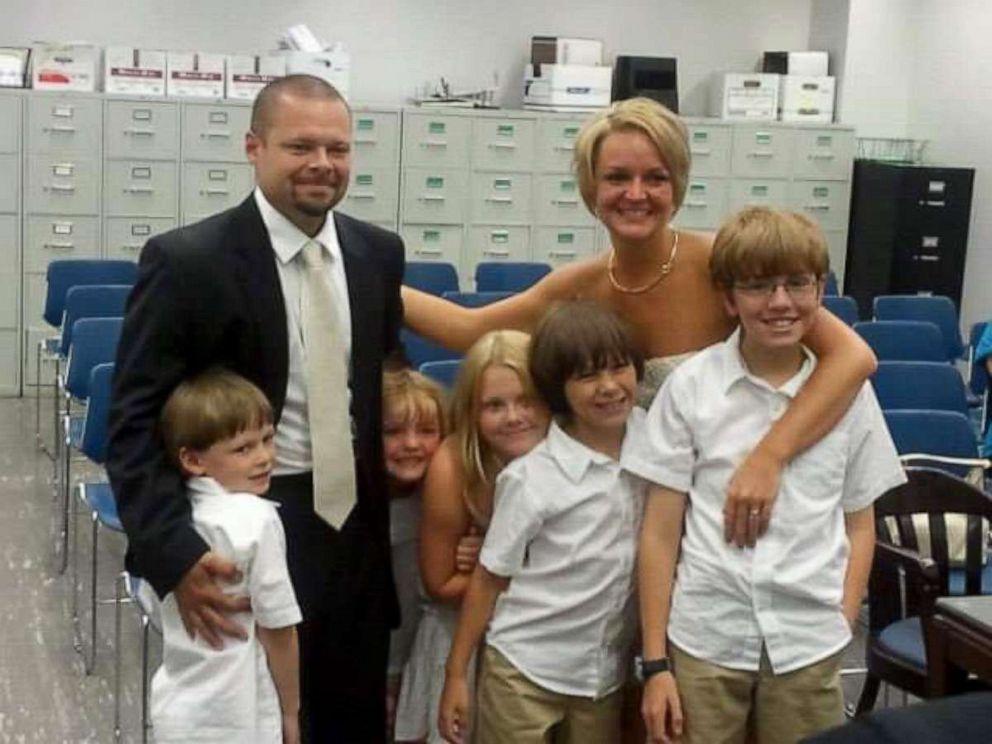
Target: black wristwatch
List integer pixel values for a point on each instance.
(644, 669)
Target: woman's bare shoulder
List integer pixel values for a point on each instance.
(574, 280)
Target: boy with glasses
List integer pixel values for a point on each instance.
(747, 645)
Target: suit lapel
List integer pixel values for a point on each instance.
(353, 249)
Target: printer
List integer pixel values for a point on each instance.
(566, 75)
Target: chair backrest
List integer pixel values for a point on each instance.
(434, 277)
(903, 340)
(508, 276)
(920, 385)
(941, 433)
(443, 372)
(937, 310)
(418, 350)
(476, 299)
(94, 341)
(94, 439)
(91, 301)
(61, 275)
(978, 374)
(830, 288)
(844, 307)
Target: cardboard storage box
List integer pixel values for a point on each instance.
(134, 71)
(195, 75)
(750, 96)
(807, 98)
(65, 67)
(248, 74)
(332, 65)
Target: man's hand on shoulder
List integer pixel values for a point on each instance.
(203, 605)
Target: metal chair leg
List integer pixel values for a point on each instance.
(145, 725)
(93, 568)
(65, 489)
(118, 601)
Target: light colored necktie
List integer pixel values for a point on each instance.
(327, 394)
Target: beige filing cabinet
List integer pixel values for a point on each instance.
(374, 191)
(11, 116)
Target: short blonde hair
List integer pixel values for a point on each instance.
(497, 348)
(665, 130)
(760, 242)
(415, 397)
(210, 407)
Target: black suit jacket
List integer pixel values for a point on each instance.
(209, 294)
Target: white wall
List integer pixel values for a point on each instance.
(397, 45)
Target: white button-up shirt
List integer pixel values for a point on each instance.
(564, 529)
(786, 592)
(293, 433)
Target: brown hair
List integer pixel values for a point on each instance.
(761, 242)
(415, 396)
(302, 86)
(574, 338)
(210, 407)
(665, 130)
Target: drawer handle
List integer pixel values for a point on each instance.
(431, 198)
(131, 247)
(215, 192)
(59, 129)
(503, 145)
(760, 154)
(564, 148)
(933, 203)
(433, 143)
(817, 207)
(360, 195)
(925, 257)
(565, 202)
(215, 135)
(561, 254)
(428, 251)
(495, 252)
(59, 246)
(703, 152)
(821, 156)
(696, 204)
(372, 141)
(134, 132)
(61, 188)
(500, 199)
(139, 190)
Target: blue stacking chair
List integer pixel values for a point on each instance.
(978, 378)
(96, 496)
(830, 288)
(476, 299)
(508, 276)
(903, 340)
(418, 350)
(940, 439)
(94, 342)
(845, 308)
(434, 277)
(934, 309)
(920, 385)
(443, 372)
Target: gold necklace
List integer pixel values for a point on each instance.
(666, 269)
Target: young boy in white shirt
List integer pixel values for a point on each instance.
(218, 429)
(749, 642)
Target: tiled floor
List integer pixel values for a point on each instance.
(44, 694)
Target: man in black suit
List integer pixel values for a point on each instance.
(227, 291)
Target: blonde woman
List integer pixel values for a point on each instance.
(496, 417)
(632, 164)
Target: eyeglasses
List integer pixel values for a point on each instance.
(799, 286)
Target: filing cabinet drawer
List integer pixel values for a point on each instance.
(433, 243)
(497, 243)
(62, 185)
(215, 132)
(503, 144)
(837, 249)
(124, 237)
(209, 188)
(762, 152)
(559, 201)
(35, 289)
(10, 180)
(438, 141)
(372, 194)
(556, 144)
(501, 198)
(50, 239)
(705, 203)
(826, 202)
(375, 139)
(560, 245)
(434, 196)
(709, 147)
(9, 272)
(63, 124)
(142, 129)
(140, 188)
(758, 193)
(824, 153)
(10, 124)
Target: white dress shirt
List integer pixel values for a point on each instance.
(786, 592)
(201, 694)
(564, 529)
(293, 433)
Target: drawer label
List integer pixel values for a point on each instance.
(499, 236)
(363, 179)
(142, 172)
(62, 112)
(141, 230)
(570, 132)
(567, 186)
(763, 138)
(435, 182)
(566, 238)
(700, 136)
(64, 170)
(62, 228)
(141, 114)
(504, 130)
(217, 117)
(824, 140)
(365, 125)
(436, 127)
(821, 192)
(502, 184)
(217, 174)
(432, 236)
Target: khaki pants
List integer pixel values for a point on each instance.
(513, 710)
(729, 706)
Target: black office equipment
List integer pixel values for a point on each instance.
(652, 77)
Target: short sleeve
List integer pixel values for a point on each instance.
(873, 465)
(665, 454)
(516, 520)
(273, 600)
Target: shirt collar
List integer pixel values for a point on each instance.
(287, 239)
(733, 369)
(204, 487)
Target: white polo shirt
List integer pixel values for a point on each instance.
(786, 592)
(564, 529)
(200, 694)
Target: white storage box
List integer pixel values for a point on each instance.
(65, 67)
(558, 50)
(248, 74)
(134, 71)
(807, 98)
(796, 63)
(14, 66)
(195, 74)
(333, 65)
(567, 87)
(741, 95)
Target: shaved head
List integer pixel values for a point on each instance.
(301, 86)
